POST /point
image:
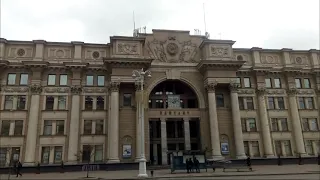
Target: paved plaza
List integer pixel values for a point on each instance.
(259, 172)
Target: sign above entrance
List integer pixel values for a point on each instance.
(174, 102)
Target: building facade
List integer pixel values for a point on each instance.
(77, 102)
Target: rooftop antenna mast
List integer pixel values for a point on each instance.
(204, 19)
(134, 22)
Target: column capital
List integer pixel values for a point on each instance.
(292, 91)
(261, 90)
(76, 90)
(114, 86)
(35, 89)
(186, 119)
(234, 87)
(210, 87)
(137, 86)
(163, 119)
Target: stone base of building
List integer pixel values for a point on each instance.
(113, 161)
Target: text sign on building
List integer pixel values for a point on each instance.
(174, 101)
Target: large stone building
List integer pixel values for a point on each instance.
(77, 101)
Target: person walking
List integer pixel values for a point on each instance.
(18, 167)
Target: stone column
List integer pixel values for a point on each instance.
(238, 137)
(187, 142)
(265, 125)
(138, 129)
(296, 124)
(31, 141)
(73, 151)
(113, 132)
(213, 121)
(164, 147)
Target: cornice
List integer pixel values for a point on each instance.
(222, 64)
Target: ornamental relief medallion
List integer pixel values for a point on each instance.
(59, 53)
(127, 48)
(299, 59)
(172, 50)
(20, 52)
(270, 59)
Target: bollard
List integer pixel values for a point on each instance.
(279, 160)
(151, 173)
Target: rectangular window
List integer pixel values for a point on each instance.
(310, 104)
(57, 154)
(268, 82)
(127, 99)
(63, 79)
(98, 154)
(306, 83)
(287, 147)
(87, 127)
(18, 127)
(313, 124)
(246, 147)
(241, 104)
(219, 100)
(238, 81)
(21, 104)
(62, 102)
(274, 124)
(88, 103)
(278, 148)
(252, 125)
(271, 104)
(244, 124)
(247, 83)
(23, 79)
(8, 102)
(249, 101)
(51, 79)
(305, 124)
(100, 80)
(60, 127)
(15, 154)
(284, 124)
(302, 104)
(255, 148)
(45, 155)
(281, 103)
(298, 83)
(277, 83)
(11, 79)
(5, 128)
(3, 156)
(47, 128)
(100, 103)
(99, 127)
(49, 102)
(89, 80)
(309, 148)
(86, 153)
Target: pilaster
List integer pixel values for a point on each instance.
(164, 147)
(187, 141)
(3, 43)
(39, 50)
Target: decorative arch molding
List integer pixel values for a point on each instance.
(161, 79)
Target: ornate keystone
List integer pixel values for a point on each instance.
(76, 90)
(292, 91)
(35, 89)
(234, 87)
(210, 87)
(114, 86)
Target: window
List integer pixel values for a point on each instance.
(3, 156)
(57, 154)
(309, 148)
(309, 124)
(309, 102)
(5, 128)
(89, 81)
(277, 83)
(268, 83)
(274, 124)
(45, 154)
(21, 104)
(51, 79)
(127, 99)
(306, 102)
(86, 153)
(277, 146)
(87, 127)
(49, 102)
(279, 124)
(271, 104)
(281, 103)
(255, 148)
(11, 79)
(100, 103)
(47, 128)
(63, 79)
(298, 83)
(60, 127)
(8, 102)
(15, 154)
(23, 79)
(249, 103)
(287, 148)
(18, 127)
(241, 105)
(98, 153)
(248, 125)
(100, 80)
(246, 147)
(220, 100)
(238, 81)
(284, 124)
(306, 83)
(88, 103)
(247, 83)
(301, 103)
(62, 102)
(99, 127)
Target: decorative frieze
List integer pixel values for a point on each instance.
(292, 91)
(275, 91)
(245, 91)
(95, 90)
(114, 86)
(76, 90)
(305, 91)
(56, 90)
(35, 89)
(15, 89)
(128, 48)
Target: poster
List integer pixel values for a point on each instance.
(224, 148)
(126, 151)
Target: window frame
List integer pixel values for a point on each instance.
(7, 130)
(101, 85)
(47, 104)
(124, 103)
(220, 99)
(20, 133)
(49, 83)
(45, 125)
(244, 82)
(8, 98)
(308, 82)
(280, 84)
(297, 81)
(59, 125)
(27, 80)
(266, 82)
(15, 79)
(66, 81)
(89, 76)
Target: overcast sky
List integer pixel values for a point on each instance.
(252, 23)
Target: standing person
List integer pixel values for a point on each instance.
(249, 163)
(188, 165)
(196, 164)
(19, 166)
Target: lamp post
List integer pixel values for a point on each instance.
(139, 76)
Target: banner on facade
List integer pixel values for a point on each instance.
(126, 151)
(224, 148)
(174, 101)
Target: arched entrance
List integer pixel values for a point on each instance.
(174, 120)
